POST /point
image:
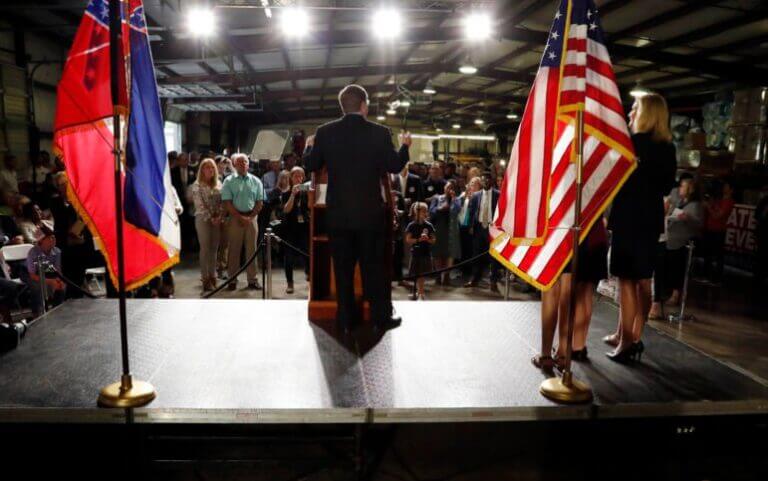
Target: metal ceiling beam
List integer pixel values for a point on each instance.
(319, 73)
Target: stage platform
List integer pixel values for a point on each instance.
(245, 361)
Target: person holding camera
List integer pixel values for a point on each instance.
(420, 235)
(444, 214)
(295, 226)
(47, 254)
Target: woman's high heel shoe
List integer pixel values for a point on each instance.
(579, 355)
(611, 340)
(624, 356)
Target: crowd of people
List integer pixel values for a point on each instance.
(226, 204)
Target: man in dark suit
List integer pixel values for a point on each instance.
(409, 186)
(357, 154)
(182, 178)
(481, 207)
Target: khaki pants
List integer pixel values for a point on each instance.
(208, 238)
(237, 234)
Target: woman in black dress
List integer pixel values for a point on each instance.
(295, 226)
(637, 219)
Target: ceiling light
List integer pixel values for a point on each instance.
(391, 111)
(479, 121)
(294, 22)
(639, 91)
(381, 117)
(456, 126)
(405, 103)
(512, 116)
(477, 26)
(387, 23)
(201, 22)
(438, 129)
(429, 89)
(467, 67)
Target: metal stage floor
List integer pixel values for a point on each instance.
(245, 361)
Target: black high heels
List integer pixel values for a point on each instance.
(625, 356)
(579, 355)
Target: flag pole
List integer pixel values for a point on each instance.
(566, 389)
(127, 393)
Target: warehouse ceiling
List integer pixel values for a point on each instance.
(247, 65)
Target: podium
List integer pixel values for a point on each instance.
(322, 283)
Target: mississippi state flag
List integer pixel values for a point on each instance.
(83, 137)
(530, 231)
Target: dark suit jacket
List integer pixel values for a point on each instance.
(638, 208)
(474, 207)
(357, 153)
(179, 185)
(413, 187)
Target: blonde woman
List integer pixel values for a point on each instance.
(206, 194)
(637, 220)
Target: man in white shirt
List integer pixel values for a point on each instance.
(482, 207)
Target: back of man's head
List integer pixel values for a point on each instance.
(351, 98)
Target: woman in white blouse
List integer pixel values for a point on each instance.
(206, 194)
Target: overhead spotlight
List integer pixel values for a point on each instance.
(405, 103)
(429, 89)
(201, 22)
(381, 117)
(512, 116)
(294, 22)
(438, 129)
(387, 23)
(467, 67)
(391, 111)
(477, 26)
(479, 121)
(639, 91)
(456, 126)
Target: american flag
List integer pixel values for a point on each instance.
(535, 211)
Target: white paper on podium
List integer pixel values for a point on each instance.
(270, 144)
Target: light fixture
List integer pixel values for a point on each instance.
(267, 10)
(512, 116)
(479, 121)
(467, 67)
(391, 111)
(201, 22)
(381, 117)
(387, 23)
(294, 22)
(477, 26)
(438, 129)
(456, 126)
(486, 138)
(639, 91)
(429, 89)
(405, 103)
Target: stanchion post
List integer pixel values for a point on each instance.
(268, 262)
(567, 389)
(684, 295)
(41, 278)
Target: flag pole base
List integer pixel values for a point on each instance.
(127, 393)
(566, 389)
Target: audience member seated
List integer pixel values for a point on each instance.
(29, 221)
(45, 251)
